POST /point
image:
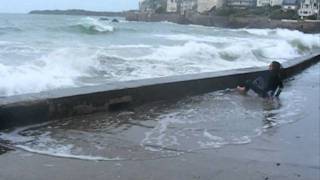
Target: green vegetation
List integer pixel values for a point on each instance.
(160, 10)
(271, 12)
(279, 14)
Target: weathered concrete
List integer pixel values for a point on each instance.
(227, 22)
(56, 104)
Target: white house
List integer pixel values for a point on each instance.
(172, 6)
(241, 3)
(276, 2)
(207, 5)
(188, 5)
(261, 3)
(309, 8)
(272, 3)
(290, 5)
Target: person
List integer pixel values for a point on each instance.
(268, 84)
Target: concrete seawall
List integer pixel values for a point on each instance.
(57, 104)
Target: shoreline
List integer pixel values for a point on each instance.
(286, 152)
(227, 22)
(233, 22)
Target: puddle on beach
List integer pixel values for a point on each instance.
(167, 129)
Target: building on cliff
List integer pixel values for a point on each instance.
(143, 6)
(181, 6)
(261, 3)
(188, 6)
(276, 2)
(152, 6)
(208, 5)
(241, 3)
(290, 4)
(172, 6)
(309, 8)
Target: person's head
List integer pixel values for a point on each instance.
(275, 66)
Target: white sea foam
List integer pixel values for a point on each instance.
(259, 32)
(44, 144)
(309, 40)
(129, 46)
(64, 152)
(271, 46)
(198, 38)
(58, 69)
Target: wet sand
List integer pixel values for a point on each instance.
(290, 151)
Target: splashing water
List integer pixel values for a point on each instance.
(53, 52)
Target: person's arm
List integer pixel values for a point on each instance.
(280, 87)
(280, 83)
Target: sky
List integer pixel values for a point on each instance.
(24, 6)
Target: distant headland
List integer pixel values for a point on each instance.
(78, 12)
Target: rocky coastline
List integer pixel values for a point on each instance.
(307, 26)
(258, 22)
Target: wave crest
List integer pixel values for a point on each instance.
(92, 26)
(4, 30)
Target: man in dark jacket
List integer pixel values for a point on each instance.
(268, 84)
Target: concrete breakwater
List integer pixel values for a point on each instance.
(57, 104)
(227, 22)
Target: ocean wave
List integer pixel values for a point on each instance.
(14, 29)
(79, 66)
(272, 43)
(60, 68)
(163, 53)
(129, 46)
(306, 40)
(5, 30)
(92, 26)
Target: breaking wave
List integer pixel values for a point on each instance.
(92, 26)
(5, 30)
(79, 66)
(57, 69)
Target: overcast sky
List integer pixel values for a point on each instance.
(23, 6)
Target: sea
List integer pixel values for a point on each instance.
(42, 52)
